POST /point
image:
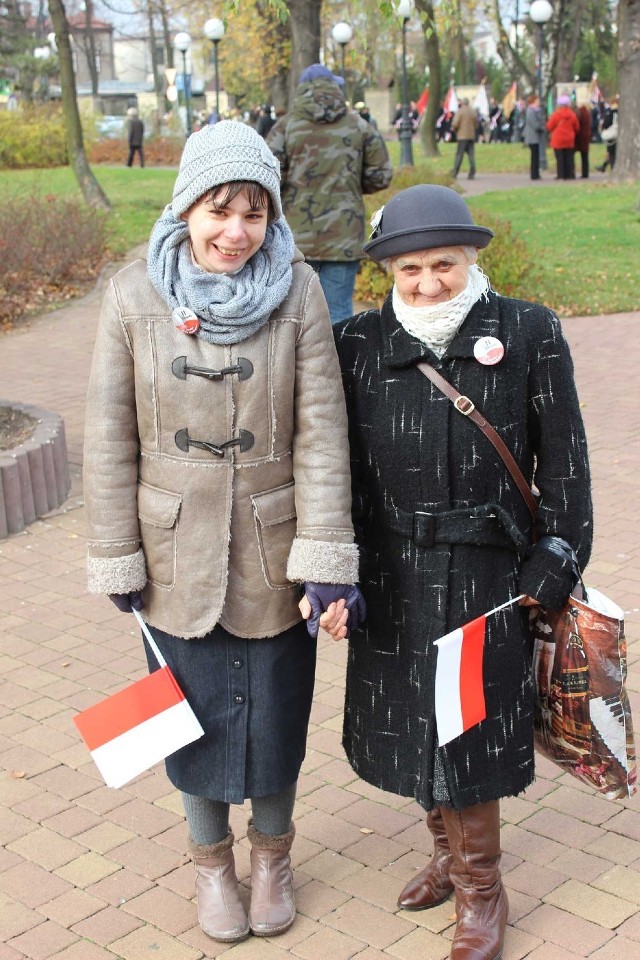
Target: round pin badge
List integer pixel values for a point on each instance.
(185, 320)
(488, 350)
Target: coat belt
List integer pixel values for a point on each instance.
(473, 525)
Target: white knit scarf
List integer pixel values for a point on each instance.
(437, 325)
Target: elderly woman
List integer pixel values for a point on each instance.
(445, 536)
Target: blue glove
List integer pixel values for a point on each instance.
(320, 595)
(126, 602)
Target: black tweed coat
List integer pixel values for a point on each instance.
(413, 455)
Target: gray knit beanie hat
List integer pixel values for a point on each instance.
(221, 153)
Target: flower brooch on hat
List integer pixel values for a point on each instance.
(375, 222)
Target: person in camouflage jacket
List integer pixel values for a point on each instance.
(330, 156)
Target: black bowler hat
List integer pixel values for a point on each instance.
(421, 218)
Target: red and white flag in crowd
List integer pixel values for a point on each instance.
(459, 692)
(451, 104)
(137, 727)
(594, 90)
(421, 105)
(481, 102)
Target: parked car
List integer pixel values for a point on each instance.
(111, 127)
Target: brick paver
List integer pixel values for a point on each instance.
(89, 873)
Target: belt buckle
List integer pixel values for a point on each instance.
(424, 528)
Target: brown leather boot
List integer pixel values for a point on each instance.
(273, 907)
(220, 911)
(481, 901)
(432, 885)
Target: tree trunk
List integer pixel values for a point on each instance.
(157, 78)
(512, 60)
(91, 189)
(458, 45)
(279, 32)
(432, 50)
(628, 150)
(279, 90)
(90, 46)
(571, 16)
(166, 34)
(305, 36)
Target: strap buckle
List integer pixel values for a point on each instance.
(464, 406)
(424, 528)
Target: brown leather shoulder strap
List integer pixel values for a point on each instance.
(468, 409)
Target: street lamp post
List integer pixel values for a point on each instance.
(540, 12)
(214, 31)
(404, 9)
(182, 42)
(342, 34)
(43, 53)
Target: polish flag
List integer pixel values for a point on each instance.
(421, 105)
(459, 691)
(451, 104)
(137, 727)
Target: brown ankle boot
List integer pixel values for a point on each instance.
(481, 901)
(273, 907)
(432, 885)
(220, 911)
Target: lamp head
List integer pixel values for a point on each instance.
(342, 33)
(404, 8)
(182, 41)
(541, 11)
(214, 29)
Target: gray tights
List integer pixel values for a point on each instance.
(209, 819)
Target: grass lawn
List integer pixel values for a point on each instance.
(584, 239)
(490, 157)
(138, 196)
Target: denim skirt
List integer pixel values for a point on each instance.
(253, 699)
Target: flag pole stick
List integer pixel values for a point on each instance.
(154, 646)
(502, 606)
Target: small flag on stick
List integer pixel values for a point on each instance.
(482, 101)
(459, 688)
(137, 727)
(451, 104)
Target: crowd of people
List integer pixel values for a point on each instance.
(259, 463)
(569, 130)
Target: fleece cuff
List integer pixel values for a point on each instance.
(322, 561)
(116, 574)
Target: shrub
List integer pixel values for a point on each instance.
(506, 261)
(158, 151)
(49, 249)
(32, 137)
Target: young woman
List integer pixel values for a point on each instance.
(217, 480)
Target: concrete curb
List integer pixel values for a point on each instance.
(34, 476)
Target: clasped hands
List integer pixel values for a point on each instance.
(338, 608)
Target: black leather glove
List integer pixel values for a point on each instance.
(126, 602)
(320, 595)
(549, 572)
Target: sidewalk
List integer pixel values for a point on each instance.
(89, 873)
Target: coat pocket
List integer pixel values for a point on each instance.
(274, 514)
(158, 514)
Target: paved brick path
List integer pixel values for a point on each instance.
(88, 873)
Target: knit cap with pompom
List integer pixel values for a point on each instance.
(221, 153)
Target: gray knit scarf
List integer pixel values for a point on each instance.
(230, 306)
